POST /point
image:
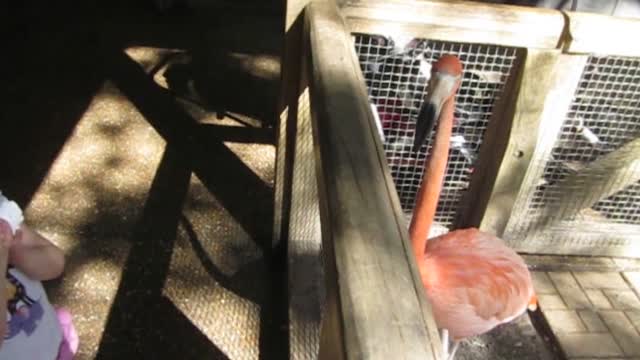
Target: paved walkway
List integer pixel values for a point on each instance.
(593, 315)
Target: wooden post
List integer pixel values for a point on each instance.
(565, 78)
(509, 142)
(538, 89)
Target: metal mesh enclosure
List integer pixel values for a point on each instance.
(397, 75)
(306, 277)
(603, 118)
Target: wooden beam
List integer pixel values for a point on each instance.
(460, 21)
(597, 180)
(567, 74)
(601, 34)
(582, 237)
(376, 305)
(475, 204)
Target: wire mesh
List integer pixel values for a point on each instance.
(397, 75)
(604, 116)
(306, 276)
(623, 207)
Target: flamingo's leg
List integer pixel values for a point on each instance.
(453, 351)
(444, 337)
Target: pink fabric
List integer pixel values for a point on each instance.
(69, 344)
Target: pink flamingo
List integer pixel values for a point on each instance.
(473, 280)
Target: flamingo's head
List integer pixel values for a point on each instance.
(446, 74)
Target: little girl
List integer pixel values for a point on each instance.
(34, 330)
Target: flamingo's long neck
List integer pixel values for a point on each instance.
(434, 172)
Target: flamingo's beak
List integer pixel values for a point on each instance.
(442, 87)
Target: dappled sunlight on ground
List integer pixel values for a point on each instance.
(91, 203)
(105, 165)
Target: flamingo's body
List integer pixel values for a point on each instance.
(473, 280)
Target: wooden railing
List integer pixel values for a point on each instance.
(375, 301)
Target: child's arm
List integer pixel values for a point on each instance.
(29, 252)
(35, 256)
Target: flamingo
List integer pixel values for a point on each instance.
(472, 279)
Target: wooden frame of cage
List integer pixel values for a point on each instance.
(554, 49)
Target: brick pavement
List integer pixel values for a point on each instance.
(594, 315)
